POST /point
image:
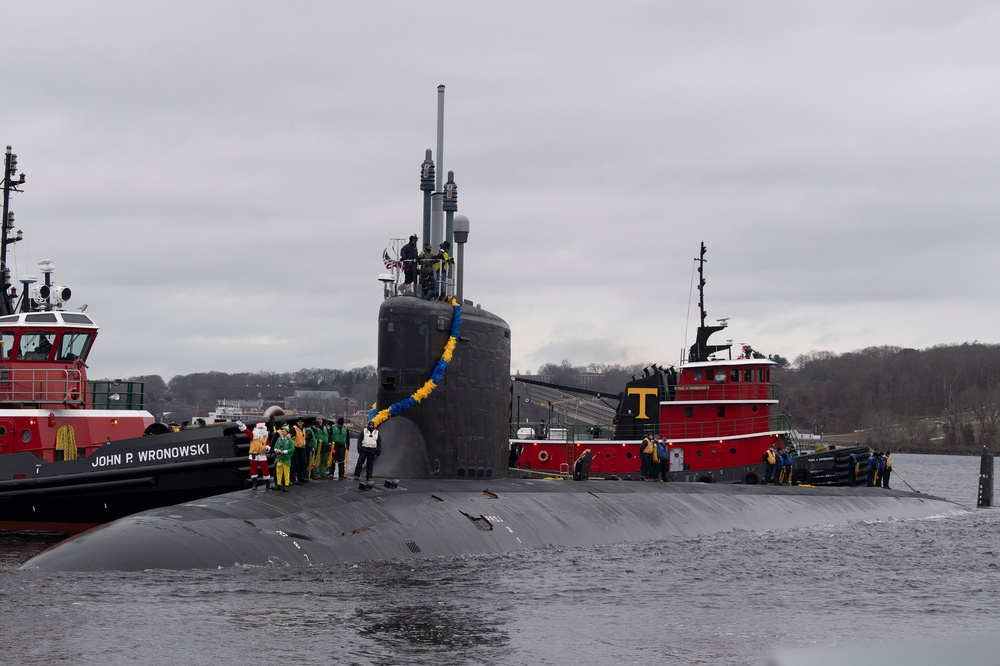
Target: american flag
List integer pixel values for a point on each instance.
(387, 260)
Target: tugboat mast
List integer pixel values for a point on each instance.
(9, 185)
(701, 350)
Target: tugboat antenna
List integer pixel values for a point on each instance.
(9, 185)
(701, 282)
(701, 350)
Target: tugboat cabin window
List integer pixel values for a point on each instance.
(74, 346)
(76, 318)
(6, 344)
(734, 375)
(748, 375)
(35, 346)
(721, 411)
(44, 317)
(697, 375)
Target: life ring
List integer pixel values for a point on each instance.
(751, 479)
(73, 394)
(801, 476)
(543, 456)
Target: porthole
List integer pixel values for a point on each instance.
(25, 435)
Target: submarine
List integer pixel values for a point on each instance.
(442, 485)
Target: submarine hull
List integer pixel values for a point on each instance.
(332, 522)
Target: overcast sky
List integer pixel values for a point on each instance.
(217, 180)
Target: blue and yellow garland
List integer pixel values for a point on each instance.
(449, 348)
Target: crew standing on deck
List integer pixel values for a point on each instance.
(441, 269)
(283, 447)
(514, 454)
(787, 463)
(663, 453)
(300, 456)
(320, 454)
(879, 468)
(426, 261)
(872, 469)
(887, 472)
(369, 448)
(852, 469)
(408, 257)
(646, 449)
(770, 460)
(341, 442)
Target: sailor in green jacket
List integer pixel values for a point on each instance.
(340, 438)
(283, 447)
(321, 452)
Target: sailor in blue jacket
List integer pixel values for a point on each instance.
(872, 468)
(880, 467)
(786, 466)
(663, 452)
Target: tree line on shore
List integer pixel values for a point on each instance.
(943, 399)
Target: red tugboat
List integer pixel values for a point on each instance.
(75, 453)
(716, 414)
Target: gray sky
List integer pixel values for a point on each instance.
(217, 180)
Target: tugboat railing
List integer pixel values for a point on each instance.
(65, 386)
(717, 392)
(117, 394)
(671, 431)
(36, 386)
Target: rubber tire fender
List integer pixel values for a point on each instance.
(158, 428)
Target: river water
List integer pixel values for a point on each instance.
(731, 598)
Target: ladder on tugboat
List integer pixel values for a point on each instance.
(790, 443)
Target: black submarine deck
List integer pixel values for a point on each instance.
(336, 522)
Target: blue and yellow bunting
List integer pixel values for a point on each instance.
(379, 416)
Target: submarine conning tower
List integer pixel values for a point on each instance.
(460, 429)
(443, 398)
